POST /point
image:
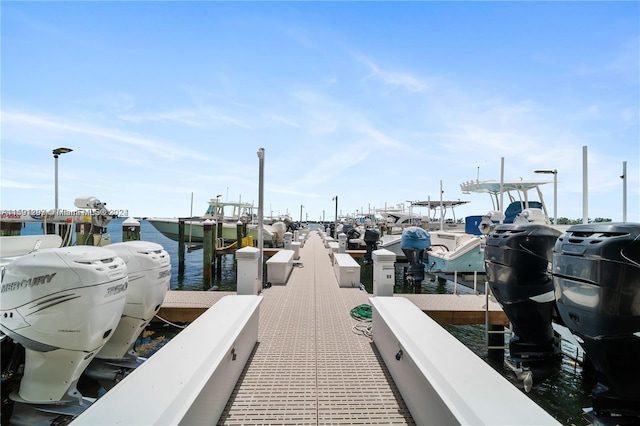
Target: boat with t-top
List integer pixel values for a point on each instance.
(463, 252)
(227, 213)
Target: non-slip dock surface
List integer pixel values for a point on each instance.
(309, 367)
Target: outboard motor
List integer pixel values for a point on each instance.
(517, 261)
(279, 228)
(371, 238)
(62, 305)
(149, 270)
(413, 242)
(596, 271)
(351, 232)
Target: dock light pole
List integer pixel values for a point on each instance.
(56, 153)
(260, 216)
(553, 172)
(335, 223)
(624, 191)
(301, 206)
(218, 216)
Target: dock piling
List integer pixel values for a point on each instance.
(207, 253)
(180, 247)
(130, 230)
(239, 234)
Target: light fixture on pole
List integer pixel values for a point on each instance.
(218, 215)
(56, 153)
(553, 172)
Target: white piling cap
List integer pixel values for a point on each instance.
(131, 221)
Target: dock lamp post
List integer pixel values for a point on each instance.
(260, 216)
(335, 223)
(624, 191)
(553, 172)
(56, 154)
(218, 216)
(301, 206)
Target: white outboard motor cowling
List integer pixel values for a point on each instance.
(62, 305)
(149, 269)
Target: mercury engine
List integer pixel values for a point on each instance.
(149, 271)
(596, 271)
(517, 264)
(62, 305)
(413, 242)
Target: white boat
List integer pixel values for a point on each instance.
(464, 252)
(73, 310)
(397, 221)
(455, 252)
(229, 213)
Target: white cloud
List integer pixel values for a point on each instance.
(186, 117)
(393, 80)
(12, 121)
(282, 120)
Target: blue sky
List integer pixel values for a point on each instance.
(376, 102)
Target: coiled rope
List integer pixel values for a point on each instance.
(362, 313)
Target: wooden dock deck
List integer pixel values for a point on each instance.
(309, 367)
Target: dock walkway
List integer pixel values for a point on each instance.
(309, 367)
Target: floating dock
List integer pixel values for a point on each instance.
(309, 366)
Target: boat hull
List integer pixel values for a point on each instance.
(452, 252)
(194, 230)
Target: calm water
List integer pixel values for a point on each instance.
(560, 395)
(192, 278)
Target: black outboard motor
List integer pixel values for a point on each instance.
(414, 242)
(371, 238)
(332, 230)
(517, 259)
(351, 232)
(596, 271)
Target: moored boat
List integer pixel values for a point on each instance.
(455, 252)
(73, 311)
(227, 213)
(396, 221)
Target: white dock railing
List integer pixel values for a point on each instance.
(440, 379)
(189, 380)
